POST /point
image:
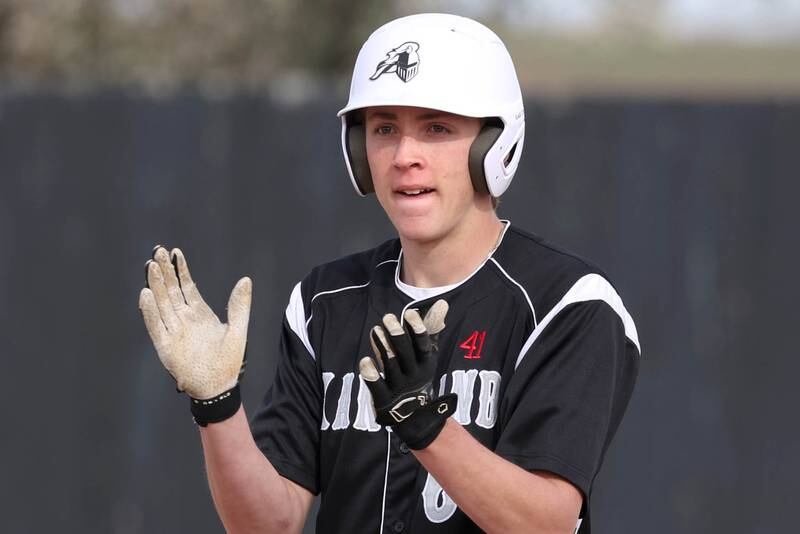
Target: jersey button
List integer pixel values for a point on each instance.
(405, 450)
(399, 526)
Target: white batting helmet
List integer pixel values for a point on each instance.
(447, 63)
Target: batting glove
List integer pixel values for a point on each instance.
(203, 355)
(404, 397)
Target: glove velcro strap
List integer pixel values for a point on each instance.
(419, 430)
(218, 408)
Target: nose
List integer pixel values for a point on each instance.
(408, 153)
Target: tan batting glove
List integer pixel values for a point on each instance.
(203, 355)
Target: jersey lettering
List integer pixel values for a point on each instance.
(326, 381)
(463, 383)
(487, 399)
(474, 345)
(438, 505)
(365, 416)
(442, 384)
(342, 420)
(464, 386)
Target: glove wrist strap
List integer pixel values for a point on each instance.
(426, 423)
(216, 409)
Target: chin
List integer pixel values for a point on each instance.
(419, 229)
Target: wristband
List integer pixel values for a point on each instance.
(216, 409)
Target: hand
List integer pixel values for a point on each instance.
(203, 355)
(404, 397)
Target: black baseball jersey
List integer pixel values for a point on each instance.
(537, 345)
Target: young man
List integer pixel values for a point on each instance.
(500, 366)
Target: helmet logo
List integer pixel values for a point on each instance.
(402, 60)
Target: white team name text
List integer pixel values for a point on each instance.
(480, 409)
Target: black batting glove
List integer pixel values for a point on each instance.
(404, 397)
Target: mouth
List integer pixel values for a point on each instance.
(415, 192)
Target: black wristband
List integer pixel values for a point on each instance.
(218, 408)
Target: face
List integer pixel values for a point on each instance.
(418, 159)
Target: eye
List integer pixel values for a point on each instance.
(383, 129)
(438, 129)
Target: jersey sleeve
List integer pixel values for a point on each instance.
(286, 426)
(573, 380)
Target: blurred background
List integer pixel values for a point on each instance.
(662, 142)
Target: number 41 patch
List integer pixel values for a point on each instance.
(474, 345)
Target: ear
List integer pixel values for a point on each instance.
(356, 140)
(477, 153)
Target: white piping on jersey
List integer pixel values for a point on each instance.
(422, 293)
(535, 323)
(295, 311)
(588, 288)
(385, 478)
(331, 292)
(403, 312)
(385, 261)
(295, 314)
(419, 294)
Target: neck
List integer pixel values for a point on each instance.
(450, 259)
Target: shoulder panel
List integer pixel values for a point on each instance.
(591, 287)
(355, 270)
(544, 271)
(347, 273)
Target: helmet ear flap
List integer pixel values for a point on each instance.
(356, 145)
(486, 138)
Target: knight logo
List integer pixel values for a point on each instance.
(402, 60)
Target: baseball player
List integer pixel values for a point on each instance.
(464, 377)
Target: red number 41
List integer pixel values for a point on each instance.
(474, 345)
